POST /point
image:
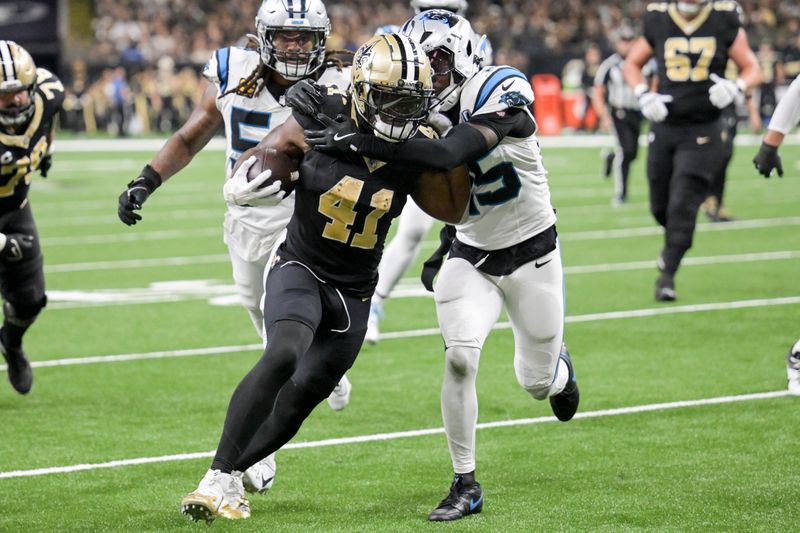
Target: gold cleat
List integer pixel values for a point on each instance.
(199, 507)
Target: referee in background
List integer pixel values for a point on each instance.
(621, 115)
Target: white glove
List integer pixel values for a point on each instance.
(653, 105)
(724, 91)
(439, 122)
(238, 191)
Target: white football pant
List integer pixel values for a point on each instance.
(468, 304)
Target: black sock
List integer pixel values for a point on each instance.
(12, 334)
(467, 479)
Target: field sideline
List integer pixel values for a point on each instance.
(684, 425)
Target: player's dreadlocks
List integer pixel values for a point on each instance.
(255, 82)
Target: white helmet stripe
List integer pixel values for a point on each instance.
(9, 72)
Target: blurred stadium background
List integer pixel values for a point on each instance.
(132, 67)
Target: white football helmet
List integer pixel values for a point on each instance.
(459, 7)
(292, 35)
(452, 48)
(17, 73)
(392, 86)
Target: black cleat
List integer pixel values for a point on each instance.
(565, 403)
(462, 500)
(665, 288)
(19, 369)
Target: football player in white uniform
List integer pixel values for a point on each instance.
(414, 224)
(245, 96)
(504, 253)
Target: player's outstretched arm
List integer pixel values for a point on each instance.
(785, 117)
(176, 153)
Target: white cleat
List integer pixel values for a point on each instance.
(793, 369)
(340, 396)
(218, 494)
(259, 477)
(374, 323)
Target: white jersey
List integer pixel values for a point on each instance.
(510, 197)
(787, 114)
(252, 231)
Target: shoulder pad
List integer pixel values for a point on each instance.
(49, 86)
(228, 66)
(726, 5)
(334, 77)
(494, 89)
(658, 7)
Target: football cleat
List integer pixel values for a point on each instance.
(374, 323)
(793, 369)
(19, 369)
(565, 403)
(259, 477)
(218, 494)
(665, 288)
(462, 500)
(340, 396)
(715, 212)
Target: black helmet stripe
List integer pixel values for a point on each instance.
(290, 8)
(415, 53)
(395, 43)
(9, 70)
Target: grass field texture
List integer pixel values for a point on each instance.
(159, 296)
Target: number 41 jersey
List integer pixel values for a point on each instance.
(343, 209)
(510, 199)
(688, 52)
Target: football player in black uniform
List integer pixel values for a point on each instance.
(30, 99)
(692, 41)
(319, 288)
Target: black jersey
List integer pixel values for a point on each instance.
(343, 209)
(21, 154)
(688, 52)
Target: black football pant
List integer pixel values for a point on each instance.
(21, 282)
(729, 124)
(314, 333)
(627, 126)
(681, 163)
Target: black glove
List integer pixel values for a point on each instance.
(767, 159)
(337, 137)
(135, 195)
(305, 97)
(17, 247)
(45, 164)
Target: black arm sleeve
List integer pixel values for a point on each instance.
(463, 144)
(514, 122)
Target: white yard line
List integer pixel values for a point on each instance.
(642, 231)
(591, 317)
(137, 263)
(380, 437)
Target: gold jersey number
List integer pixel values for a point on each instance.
(678, 63)
(22, 168)
(338, 205)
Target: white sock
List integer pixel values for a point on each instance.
(562, 375)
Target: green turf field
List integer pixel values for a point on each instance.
(636, 460)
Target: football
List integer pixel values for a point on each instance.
(283, 167)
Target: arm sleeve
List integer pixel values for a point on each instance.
(787, 113)
(463, 144)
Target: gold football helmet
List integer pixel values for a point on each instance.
(392, 86)
(17, 74)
